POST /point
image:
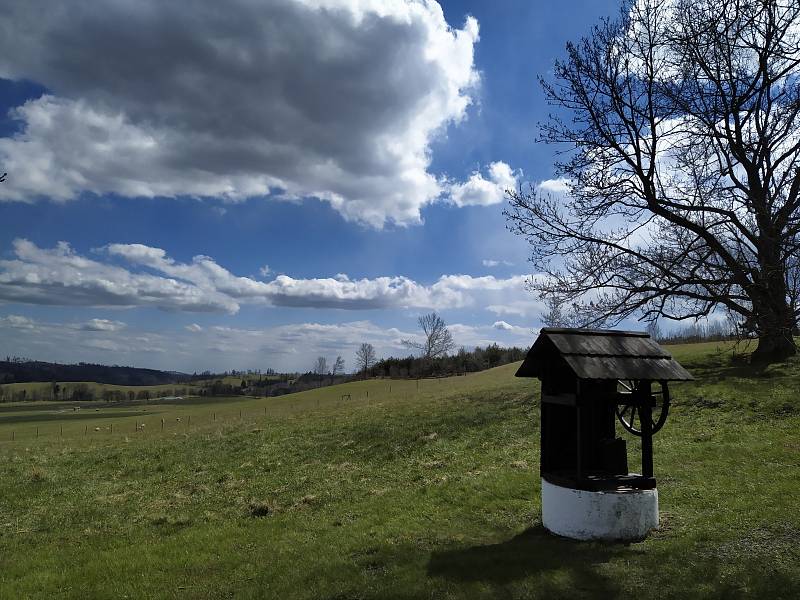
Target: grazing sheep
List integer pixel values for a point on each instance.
(178, 419)
(97, 429)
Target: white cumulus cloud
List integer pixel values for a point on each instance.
(103, 325)
(481, 191)
(17, 322)
(488, 262)
(337, 100)
(557, 186)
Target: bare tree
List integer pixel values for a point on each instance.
(338, 367)
(683, 169)
(654, 329)
(438, 341)
(365, 358)
(555, 316)
(321, 367)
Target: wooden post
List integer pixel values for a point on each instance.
(189, 421)
(13, 435)
(112, 428)
(37, 433)
(646, 418)
(578, 461)
(162, 424)
(215, 416)
(61, 433)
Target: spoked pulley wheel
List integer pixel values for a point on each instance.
(630, 414)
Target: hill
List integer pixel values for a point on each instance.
(377, 489)
(21, 371)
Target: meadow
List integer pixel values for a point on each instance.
(392, 489)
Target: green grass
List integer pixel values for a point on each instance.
(431, 493)
(43, 390)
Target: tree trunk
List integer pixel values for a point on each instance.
(775, 328)
(774, 347)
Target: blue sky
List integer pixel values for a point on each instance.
(197, 190)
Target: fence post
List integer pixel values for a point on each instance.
(162, 424)
(112, 428)
(189, 421)
(215, 416)
(61, 433)
(13, 435)
(37, 433)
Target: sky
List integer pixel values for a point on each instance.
(195, 186)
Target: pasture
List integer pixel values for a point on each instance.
(391, 493)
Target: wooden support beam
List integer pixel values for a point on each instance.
(578, 461)
(563, 399)
(646, 418)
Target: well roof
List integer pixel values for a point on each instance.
(602, 354)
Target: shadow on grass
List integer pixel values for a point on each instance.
(560, 568)
(723, 364)
(534, 552)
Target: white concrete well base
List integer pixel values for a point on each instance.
(614, 515)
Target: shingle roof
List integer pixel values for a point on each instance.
(602, 354)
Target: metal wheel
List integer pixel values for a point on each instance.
(630, 416)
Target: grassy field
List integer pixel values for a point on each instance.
(429, 493)
(43, 390)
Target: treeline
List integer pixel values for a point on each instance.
(463, 361)
(83, 392)
(714, 331)
(16, 370)
(254, 374)
(275, 385)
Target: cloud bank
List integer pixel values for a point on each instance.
(291, 347)
(136, 275)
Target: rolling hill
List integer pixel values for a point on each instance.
(377, 489)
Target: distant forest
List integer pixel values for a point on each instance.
(20, 370)
(256, 383)
(463, 361)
